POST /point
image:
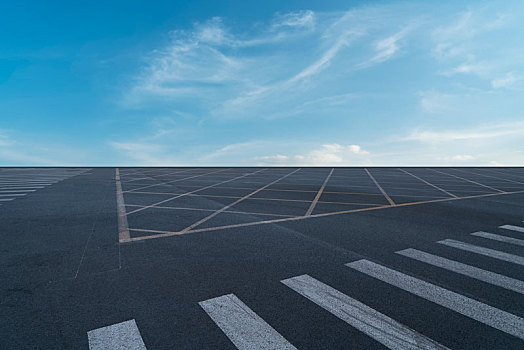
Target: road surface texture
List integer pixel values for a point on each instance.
(262, 258)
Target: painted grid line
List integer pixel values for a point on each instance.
(199, 222)
(380, 188)
(512, 228)
(319, 193)
(428, 183)
(194, 191)
(474, 182)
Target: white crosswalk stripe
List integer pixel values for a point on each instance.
(492, 253)
(243, 326)
(491, 316)
(120, 336)
(499, 238)
(466, 270)
(513, 228)
(380, 327)
(18, 182)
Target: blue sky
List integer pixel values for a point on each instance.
(261, 83)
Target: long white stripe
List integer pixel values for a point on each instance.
(120, 336)
(492, 253)
(378, 326)
(513, 228)
(19, 187)
(15, 191)
(491, 316)
(6, 199)
(241, 325)
(466, 270)
(13, 194)
(499, 238)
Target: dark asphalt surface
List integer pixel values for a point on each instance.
(64, 271)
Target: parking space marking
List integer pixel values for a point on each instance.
(428, 183)
(494, 177)
(201, 221)
(123, 226)
(212, 210)
(474, 182)
(492, 253)
(173, 181)
(319, 193)
(120, 336)
(380, 188)
(163, 233)
(488, 315)
(194, 191)
(499, 238)
(512, 228)
(376, 325)
(466, 270)
(242, 325)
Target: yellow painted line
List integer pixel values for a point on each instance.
(123, 227)
(427, 183)
(319, 193)
(380, 188)
(160, 234)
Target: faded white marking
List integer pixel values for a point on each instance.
(491, 316)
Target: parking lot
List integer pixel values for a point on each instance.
(253, 258)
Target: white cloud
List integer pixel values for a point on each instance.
(508, 80)
(327, 154)
(386, 48)
(295, 19)
(480, 133)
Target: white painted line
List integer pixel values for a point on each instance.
(494, 177)
(427, 183)
(491, 316)
(6, 199)
(123, 227)
(513, 228)
(120, 336)
(243, 326)
(319, 193)
(474, 182)
(466, 270)
(172, 181)
(194, 191)
(380, 188)
(13, 194)
(20, 187)
(161, 234)
(499, 238)
(15, 191)
(496, 254)
(376, 325)
(199, 222)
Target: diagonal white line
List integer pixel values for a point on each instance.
(378, 326)
(428, 183)
(172, 181)
(473, 182)
(319, 193)
(488, 315)
(195, 191)
(235, 202)
(380, 188)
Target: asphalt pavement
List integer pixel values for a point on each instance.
(262, 258)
